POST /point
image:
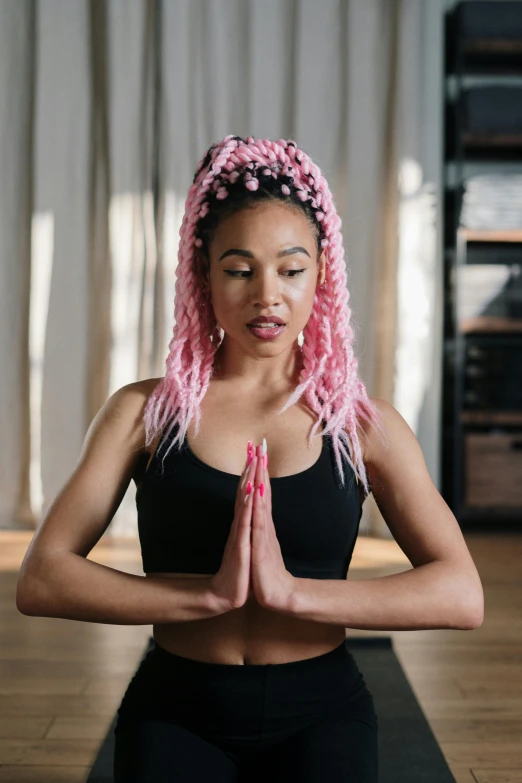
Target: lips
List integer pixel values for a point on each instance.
(262, 320)
(264, 332)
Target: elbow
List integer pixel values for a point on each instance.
(464, 598)
(35, 586)
(473, 613)
(472, 622)
(475, 620)
(22, 601)
(26, 602)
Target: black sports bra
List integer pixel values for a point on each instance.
(186, 507)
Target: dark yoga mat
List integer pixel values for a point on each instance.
(408, 750)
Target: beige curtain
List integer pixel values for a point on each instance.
(105, 110)
(17, 111)
(98, 353)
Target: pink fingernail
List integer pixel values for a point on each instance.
(249, 488)
(261, 489)
(265, 460)
(250, 457)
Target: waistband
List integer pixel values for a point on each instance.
(242, 703)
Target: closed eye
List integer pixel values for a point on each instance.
(290, 272)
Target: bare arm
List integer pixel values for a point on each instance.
(73, 588)
(442, 590)
(57, 580)
(428, 596)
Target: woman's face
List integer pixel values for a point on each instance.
(263, 261)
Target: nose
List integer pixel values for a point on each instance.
(267, 290)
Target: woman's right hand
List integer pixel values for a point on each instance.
(231, 584)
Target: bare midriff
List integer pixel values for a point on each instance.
(248, 635)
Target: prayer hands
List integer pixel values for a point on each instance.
(272, 584)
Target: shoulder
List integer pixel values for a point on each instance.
(133, 396)
(127, 405)
(375, 442)
(138, 393)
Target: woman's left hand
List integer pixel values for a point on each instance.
(272, 584)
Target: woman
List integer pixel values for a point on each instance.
(252, 458)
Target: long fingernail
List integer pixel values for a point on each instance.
(261, 489)
(265, 461)
(263, 451)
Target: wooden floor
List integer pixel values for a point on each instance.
(61, 681)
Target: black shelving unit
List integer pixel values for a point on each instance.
(482, 372)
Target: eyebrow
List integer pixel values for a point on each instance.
(234, 251)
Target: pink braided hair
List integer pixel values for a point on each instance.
(329, 377)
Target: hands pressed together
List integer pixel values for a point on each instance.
(252, 560)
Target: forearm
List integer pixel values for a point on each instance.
(433, 595)
(71, 587)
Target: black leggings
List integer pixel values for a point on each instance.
(307, 721)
